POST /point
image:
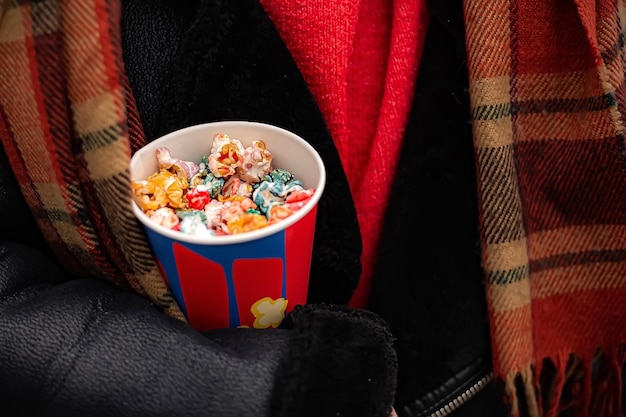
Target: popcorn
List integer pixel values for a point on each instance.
(257, 162)
(161, 189)
(198, 197)
(164, 216)
(193, 224)
(278, 213)
(178, 166)
(234, 189)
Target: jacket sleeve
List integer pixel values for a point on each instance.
(84, 347)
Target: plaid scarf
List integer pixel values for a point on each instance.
(69, 126)
(547, 95)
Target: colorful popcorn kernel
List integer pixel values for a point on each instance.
(246, 223)
(193, 224)
(226, 155)
(236, 187)
(164, 216)
(257, 162)
(184, 169)
(198, 197)
(277, 213)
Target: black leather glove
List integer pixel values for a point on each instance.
(86, 348)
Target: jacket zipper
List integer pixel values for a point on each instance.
(464, 397)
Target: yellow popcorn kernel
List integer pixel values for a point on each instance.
(246, 223)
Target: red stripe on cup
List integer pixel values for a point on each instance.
(204, 288)
(255, 279)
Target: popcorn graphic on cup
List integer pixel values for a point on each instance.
(268, 312)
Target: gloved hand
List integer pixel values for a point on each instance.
(84, 347)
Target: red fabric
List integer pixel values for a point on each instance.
(360, 60)
(546, 82)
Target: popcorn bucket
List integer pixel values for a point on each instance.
(250, 279)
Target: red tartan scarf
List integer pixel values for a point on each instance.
(548, 104)
(68, 125)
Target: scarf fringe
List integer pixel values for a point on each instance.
(571, 385)
(520, 394)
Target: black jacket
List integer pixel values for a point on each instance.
(86, 348)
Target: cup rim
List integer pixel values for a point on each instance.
(240, 237)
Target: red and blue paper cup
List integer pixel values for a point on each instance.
(252, 279)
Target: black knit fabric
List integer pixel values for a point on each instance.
(428, 283)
